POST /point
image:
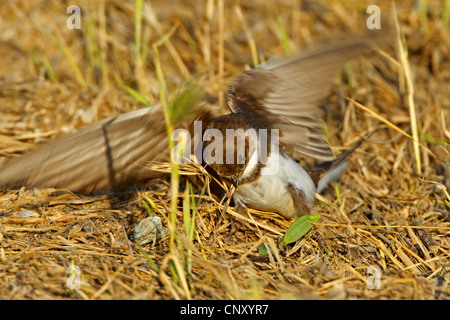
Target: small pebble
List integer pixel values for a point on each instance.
(147, 231)
(26, 213)
(88, 228)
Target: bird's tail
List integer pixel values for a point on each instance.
(325, 172)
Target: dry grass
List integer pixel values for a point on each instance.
(382, 212)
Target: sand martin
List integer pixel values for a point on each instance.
(282, 95)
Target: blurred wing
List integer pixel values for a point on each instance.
(285, 94)
(113, 153)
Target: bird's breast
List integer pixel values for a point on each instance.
(279, 185)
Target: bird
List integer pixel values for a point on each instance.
(281, 97)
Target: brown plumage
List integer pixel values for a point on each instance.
(113, 153)
(118, 152)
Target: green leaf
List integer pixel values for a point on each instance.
(299, 228)
(185, 100)
(150, 260)
(262, 249)
(137, 95)
(447, 203)
(148, 209)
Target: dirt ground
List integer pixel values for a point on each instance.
(387, 218)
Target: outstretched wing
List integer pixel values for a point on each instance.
(285, 94)
(114, 153)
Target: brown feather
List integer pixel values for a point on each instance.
(114, 153)
(285, 94)
(118, 152)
